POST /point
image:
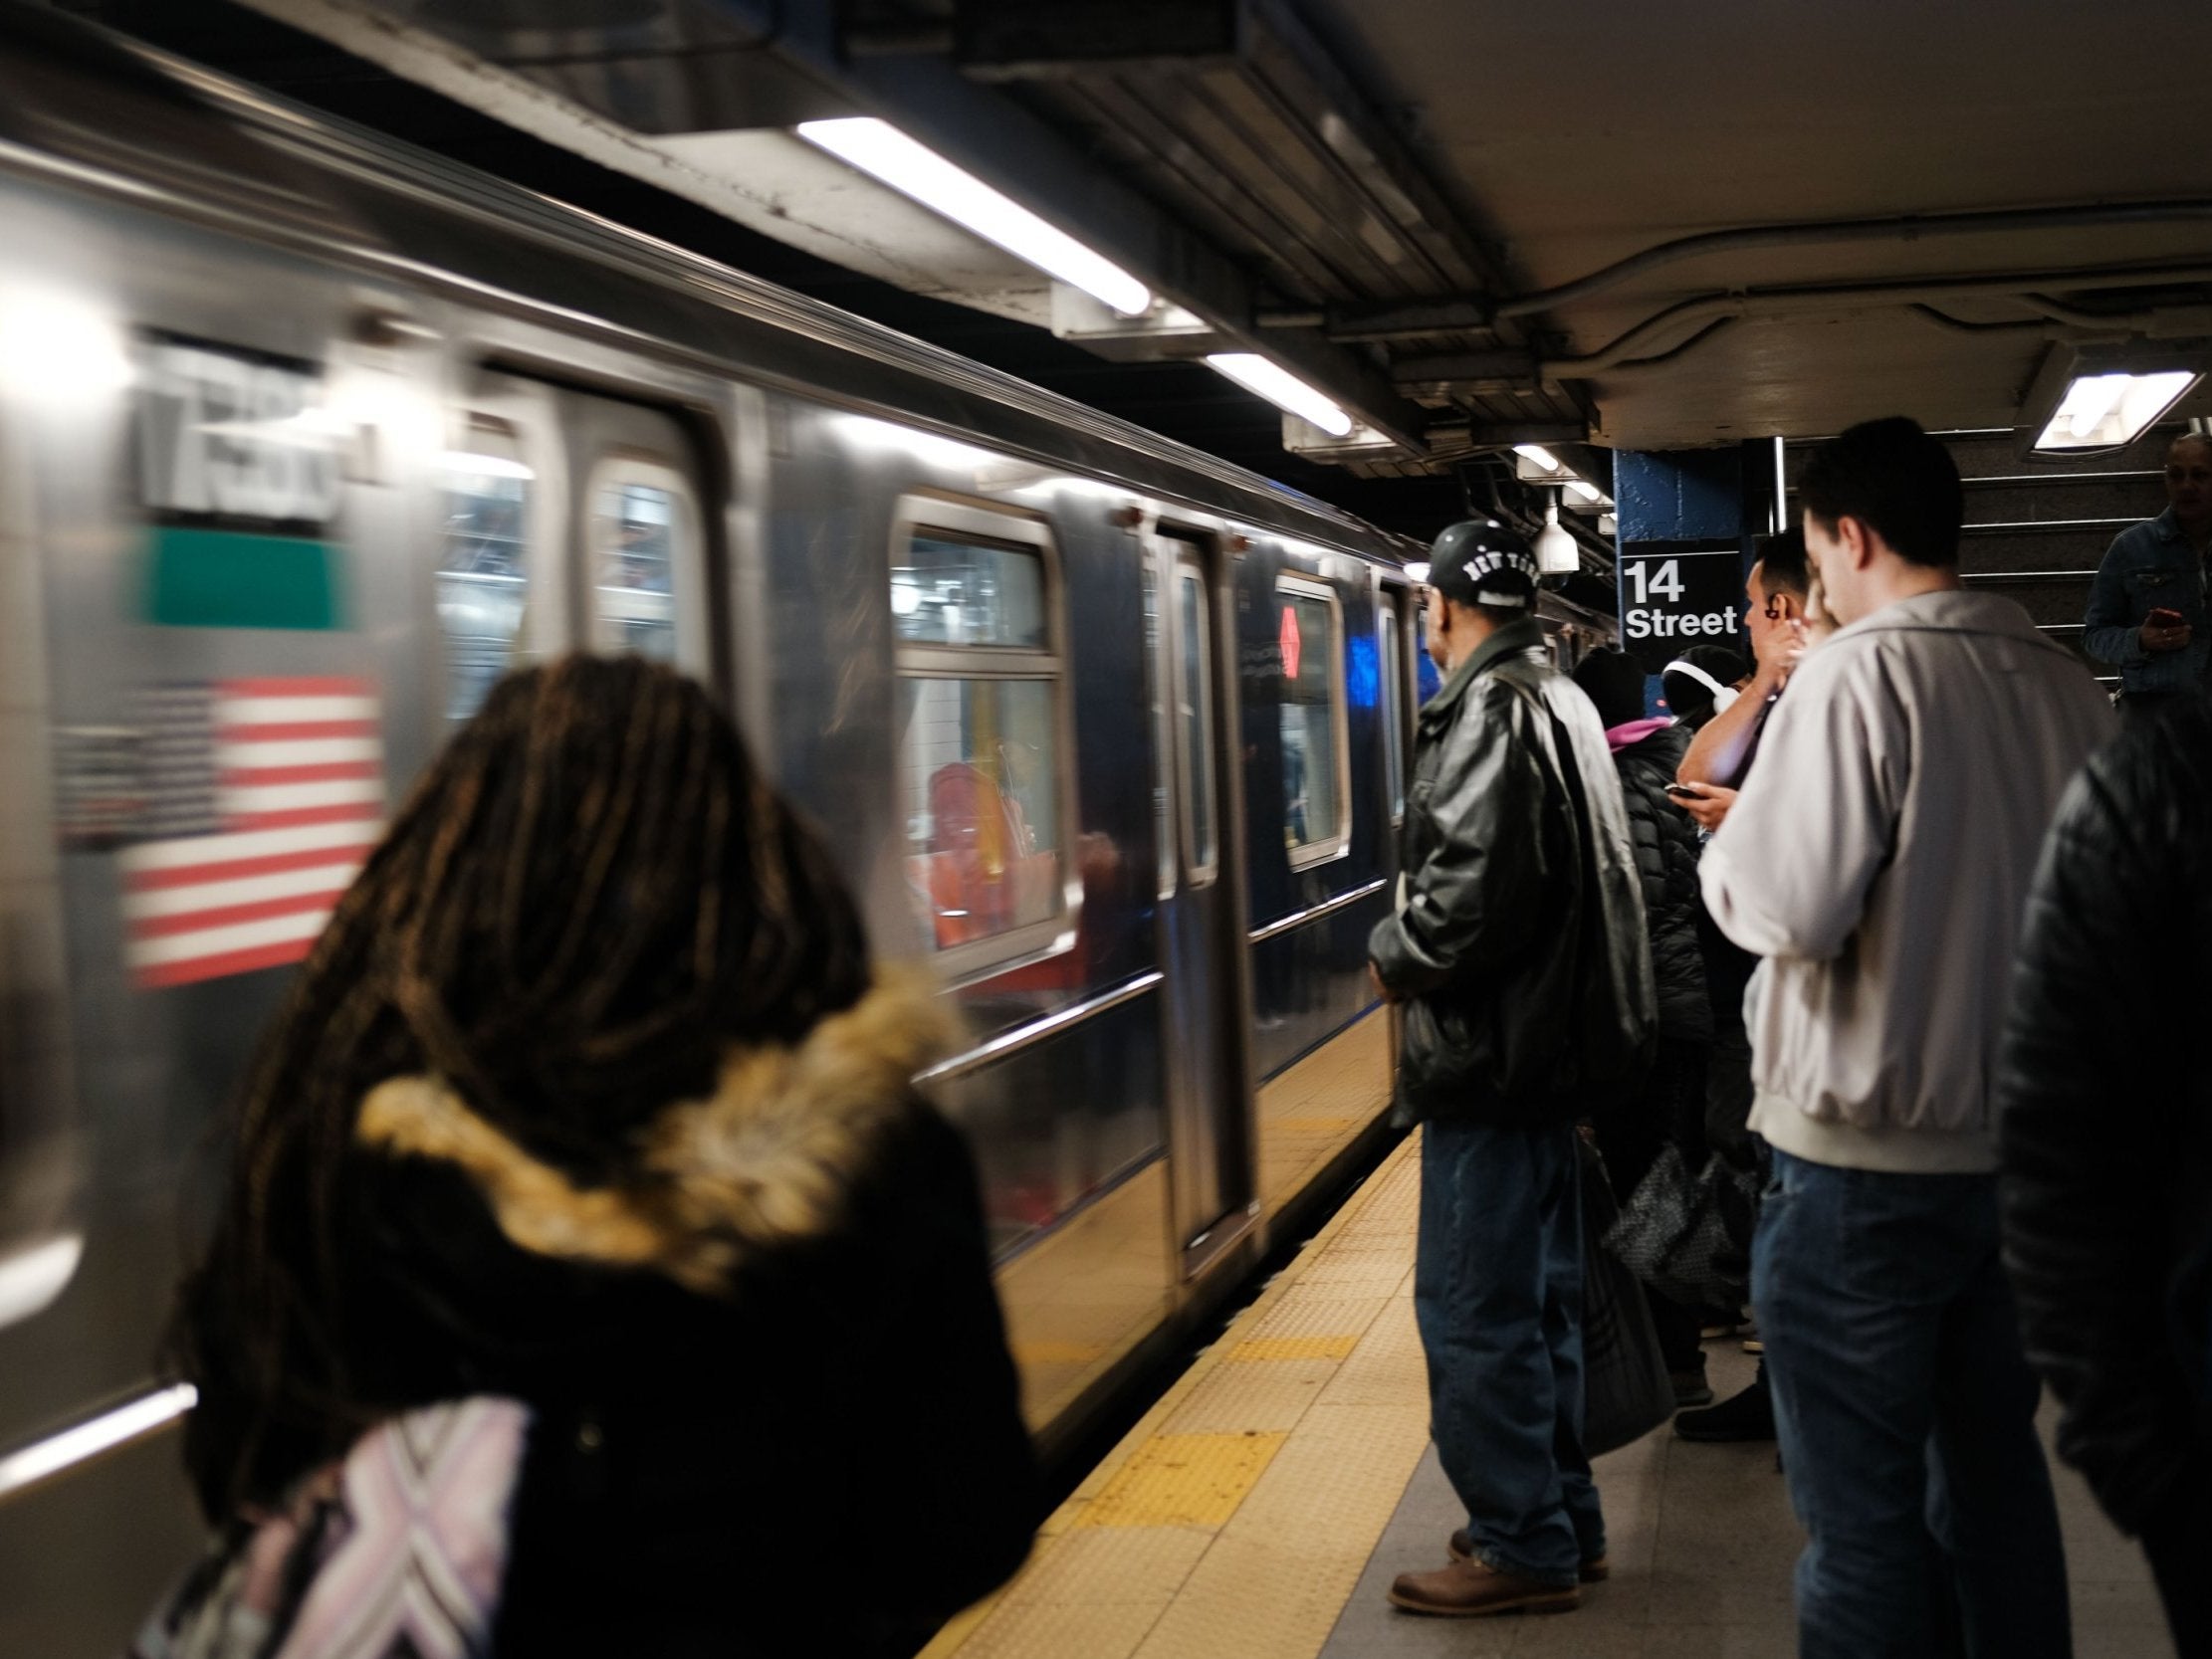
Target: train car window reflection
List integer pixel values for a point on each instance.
(1316, 819)
(1394, 718)
(957, 593)
(638, 531)
(484, 578)
(1194, 713)
(980, 770)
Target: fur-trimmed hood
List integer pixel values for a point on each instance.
(766, 1160)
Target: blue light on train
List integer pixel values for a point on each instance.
(1363, 680)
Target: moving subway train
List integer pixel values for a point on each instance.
(305, 437)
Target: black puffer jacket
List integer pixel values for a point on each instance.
(1666, 848)
(2104, 1116)
(1520, 952)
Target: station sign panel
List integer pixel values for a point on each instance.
(1676, 595)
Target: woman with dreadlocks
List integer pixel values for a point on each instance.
(582, 1174)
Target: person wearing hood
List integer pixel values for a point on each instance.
(590, 1264)
(1645, 751)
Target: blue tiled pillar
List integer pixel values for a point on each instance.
(1676, 501)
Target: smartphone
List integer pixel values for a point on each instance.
(1687, 791)
(2161, 617)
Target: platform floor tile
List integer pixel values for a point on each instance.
(1262, 1507)
(1244, 1506)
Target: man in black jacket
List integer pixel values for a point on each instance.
(1520, 959)
(2105, 1126)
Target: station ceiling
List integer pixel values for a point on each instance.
(1468, 224)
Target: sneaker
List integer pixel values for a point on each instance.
(1690, 1389)
(1752, 1345)
(1471, 1590)
(1713, 1329)
(1747, 1416)
(1594, 1571)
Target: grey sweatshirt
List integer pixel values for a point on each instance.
(1880, 858)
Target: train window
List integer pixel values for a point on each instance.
(1316, 799)
(1394, 718)
(959, 594)
(979, 723)
(484, 579)
(1195, 718)
(642, 546)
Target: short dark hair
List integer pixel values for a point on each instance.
(1783, 565)
(1896, 481)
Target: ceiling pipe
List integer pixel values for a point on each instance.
(1457, 314)
(1903, 228)
(1633, 343)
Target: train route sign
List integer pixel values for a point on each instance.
(1677, 595)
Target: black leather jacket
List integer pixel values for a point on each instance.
(2104, 1116)
(1520, 952)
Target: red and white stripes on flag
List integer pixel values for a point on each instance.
(299, 791)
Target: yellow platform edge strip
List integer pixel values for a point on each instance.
(962, 1626)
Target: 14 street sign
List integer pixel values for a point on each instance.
(1674, 597)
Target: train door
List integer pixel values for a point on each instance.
(1208, 1086)
(1399, 638)
(572, 522)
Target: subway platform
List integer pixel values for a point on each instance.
(1262, 1507)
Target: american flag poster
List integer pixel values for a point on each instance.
(262, 799)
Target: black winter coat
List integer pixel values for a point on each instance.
(1666, 849)
(2104, 1116)
(820, 1455)
(1520, 952)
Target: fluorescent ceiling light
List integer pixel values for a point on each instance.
(1418, 572)
(1541, 456)
(1584, 491)
(2110, 411)
(882, 151)
(1281, 388)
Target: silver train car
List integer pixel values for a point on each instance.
(305, 436)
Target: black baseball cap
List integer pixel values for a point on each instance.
(1478, 561)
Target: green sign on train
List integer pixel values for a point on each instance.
(239, 478)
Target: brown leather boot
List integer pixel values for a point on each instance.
(1469, 1590)
(1596, 1571)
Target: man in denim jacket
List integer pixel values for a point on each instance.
(2158, 564)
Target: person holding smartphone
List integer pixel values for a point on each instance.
(2147, 614)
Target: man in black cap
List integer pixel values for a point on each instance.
(1520, 959)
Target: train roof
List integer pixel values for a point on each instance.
(269, 168)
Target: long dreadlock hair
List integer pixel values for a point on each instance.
(587, 900)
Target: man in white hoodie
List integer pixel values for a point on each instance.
(1879, 860)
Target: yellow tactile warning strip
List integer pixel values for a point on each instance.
(1234, 1519)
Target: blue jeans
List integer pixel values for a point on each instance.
(1497, 1292)
(1907, 1417)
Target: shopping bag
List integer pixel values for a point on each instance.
(1683, 1234)
(1626, 1389)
